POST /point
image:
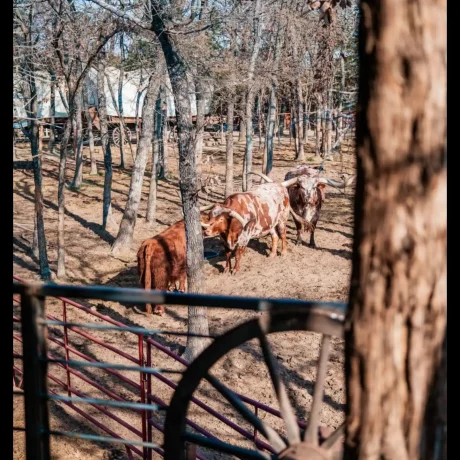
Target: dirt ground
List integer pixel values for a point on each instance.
(304, 273)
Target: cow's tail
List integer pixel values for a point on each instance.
(305, 224)
(145, 273)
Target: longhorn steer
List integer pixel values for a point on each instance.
(249, 215)
(306, 197)
(161, 261)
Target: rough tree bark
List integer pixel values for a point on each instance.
(157, 146)
(396, 321)
(128, 222)
(229, 149)
(89, 124)
(247, 164)
(189, 186)
(102, 109)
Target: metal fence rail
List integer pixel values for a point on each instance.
(43, 366)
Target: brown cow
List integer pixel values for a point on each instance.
(248, 215)
(306, 197)
(161, 261)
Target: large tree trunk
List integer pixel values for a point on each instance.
(229, 150)
(189, 186)
(89, 123)
(107, 194)
(128, 222)
(157, 147)
(396, 321)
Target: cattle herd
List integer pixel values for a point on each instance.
(240, 218)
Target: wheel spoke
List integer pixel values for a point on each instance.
(268, 432)
(287, 412)
(311, 434)
(221, 446)
(331, 441)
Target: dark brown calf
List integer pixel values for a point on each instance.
(162, 261)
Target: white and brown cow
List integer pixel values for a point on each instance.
(306, 196)
(248, 215)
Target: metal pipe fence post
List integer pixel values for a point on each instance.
(35, 376)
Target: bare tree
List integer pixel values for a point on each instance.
(229, 149)
(28, 40)
(128, 222)
(102, 109)
(257, 26)
(396, 321)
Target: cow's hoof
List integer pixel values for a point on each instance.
(283, 253)
(272, 254)
(313, 246)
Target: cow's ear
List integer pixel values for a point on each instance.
(322, 189)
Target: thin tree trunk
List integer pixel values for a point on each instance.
(89, 124)
(299, 125)
(52, 140)
(229, 150)
(318, 119)
(121, 123)
(328, 134)
(61, 271)
(128, 222)
(138, 101)
(189, 186)
(396, 319)
(271, 119)
(14, 146)
(33, 132)
(78, 175)
(340, 108)
(242, 131)
(156, 150)
(200, 108)
(107, 194)
(247, 166)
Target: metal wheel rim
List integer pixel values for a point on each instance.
(315, 319)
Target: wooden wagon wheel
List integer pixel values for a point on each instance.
(116, 136)
(298, 446)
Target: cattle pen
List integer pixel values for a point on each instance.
(52, 356)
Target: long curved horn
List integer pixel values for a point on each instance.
(289, 182)
(205, 208)
(237, 217)
(263, 176)
(232, 213)
(332, 183)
